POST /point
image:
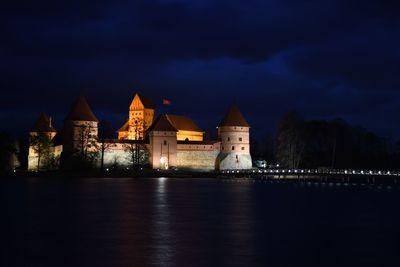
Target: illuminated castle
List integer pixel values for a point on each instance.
(168, 141)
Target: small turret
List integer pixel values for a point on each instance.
(234, 133)
(43, 125)
(41, 138)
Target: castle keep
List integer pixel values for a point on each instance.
(168, 141)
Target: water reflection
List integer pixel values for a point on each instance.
(239, 224)
(196, 222)
(161, 233)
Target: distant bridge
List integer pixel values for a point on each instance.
(334, 175)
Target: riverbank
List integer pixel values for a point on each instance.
(233, 175)
(145, 173)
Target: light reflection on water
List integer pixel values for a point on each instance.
(196, 222)
(161, 233)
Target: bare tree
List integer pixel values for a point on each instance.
(43, 148)
(291, 140)
(137, 149)
(138, 152)
(88, 146)
(104, 144)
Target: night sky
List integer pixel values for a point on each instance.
(325, 59)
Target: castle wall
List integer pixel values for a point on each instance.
(199, 157)
(118, 155)
(45, 163)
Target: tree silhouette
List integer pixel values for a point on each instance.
(137, 150)
(104, 140)
(43, 147)
(290, 142)
(9, 150)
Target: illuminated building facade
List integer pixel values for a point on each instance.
(169, 141)
(140, 118)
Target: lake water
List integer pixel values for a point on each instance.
(196, 222)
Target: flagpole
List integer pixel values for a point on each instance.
(166, 104)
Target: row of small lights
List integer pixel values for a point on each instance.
(305, 171)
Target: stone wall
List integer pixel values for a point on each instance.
(232, 161)
(118, 156)
(45, 163)
(199, 160)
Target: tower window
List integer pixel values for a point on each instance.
(233, 147)
(240, 139)
(165, 142)
(222, 148)
(229, 139)
(242, 147)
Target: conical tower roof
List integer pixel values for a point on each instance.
(162, 124)
(43, 125)
(234, 118)
(81, 111)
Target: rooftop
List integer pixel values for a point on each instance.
(162, 124)
(43, 125)
(146, 101)
(234, 118)
(183, 123)
(81, 111)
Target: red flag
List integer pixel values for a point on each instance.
(166, 101)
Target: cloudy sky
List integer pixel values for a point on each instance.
(323, 58)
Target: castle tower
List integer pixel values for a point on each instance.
(80, 128)
(141, 115)
(234, 133)
(163, 143)
(42, 127)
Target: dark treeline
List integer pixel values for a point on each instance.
(9, 153)
(328, 144)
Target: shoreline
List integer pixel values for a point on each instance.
(181, 174)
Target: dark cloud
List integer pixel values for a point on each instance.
(325, 58)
